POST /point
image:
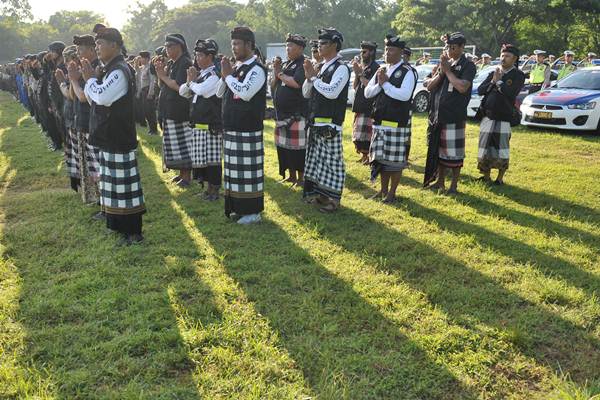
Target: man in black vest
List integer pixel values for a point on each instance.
(291, 110)
(450, 94)
(362, 107)
(54, 60)
(205, 116)
(392, 88)
(325, 171)
(177, 133)
(243, 89)
(499, 91)
(71, 145)
(89, 156)
(112, 124)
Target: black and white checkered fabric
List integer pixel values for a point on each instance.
(324, 164)
(177, 144)
(89, 183)
(120, 184)
(494, 143)
(93, 159)
(362, 128)
(72, 154)
(291, 133)
(243, 157)
(207, 148)
(390, 145)
(452, 142)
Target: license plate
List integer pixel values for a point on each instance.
(542, 114)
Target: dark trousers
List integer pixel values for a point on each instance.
(149, 111)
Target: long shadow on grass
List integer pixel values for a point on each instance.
(516, 250)
(98, 318)
(344, 346)
(465, 294)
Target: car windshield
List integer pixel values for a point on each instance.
(589, 80)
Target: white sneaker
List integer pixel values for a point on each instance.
(249, 219)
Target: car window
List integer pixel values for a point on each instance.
(589, 80)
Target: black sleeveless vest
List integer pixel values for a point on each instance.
(245, 116)
(321, 106)
(387, 108)
(206, 110)
(361, 104)
(113, 128)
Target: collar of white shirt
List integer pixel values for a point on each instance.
(206, 70)
(328, 63)
(247, 62)
(392, 68)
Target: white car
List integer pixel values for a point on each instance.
(475, 101)
(573, 103)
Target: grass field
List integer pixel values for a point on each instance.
(493, 294)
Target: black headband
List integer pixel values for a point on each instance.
(365, 44)
(176, 38)
(84, 40)
(331, 34)
(110, 34)
(296, 39)
(394, 41)
(454, 38)
(509, 48)
(206, 46)
(242, 33)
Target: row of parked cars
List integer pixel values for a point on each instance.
(572, 103)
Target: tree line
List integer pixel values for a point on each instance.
(552, 25)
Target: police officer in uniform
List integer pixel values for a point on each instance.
(567, 68)
(539, 76)
(587, 62)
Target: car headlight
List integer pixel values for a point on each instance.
(583, 106)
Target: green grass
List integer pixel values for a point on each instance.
(493, 294)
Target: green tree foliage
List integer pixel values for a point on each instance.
(138, 30)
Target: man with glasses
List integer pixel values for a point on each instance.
(177, 133)
(327, 89)
(112, 125)
(450, 89)
(392, 88)
(363, 107)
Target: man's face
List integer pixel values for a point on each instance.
(241, 49)
(552, 58)
(293, 50)
(315, 54)
(144, 61)
(569, 59)
(540, 58)
(173, 50)
(106, 50)
(87, 52)
(507, 59)
(455, 50)
(486, 60)
(327, 48)
(366, 55)
(203, 60)
(392, 55)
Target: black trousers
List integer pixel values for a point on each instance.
(149, 111)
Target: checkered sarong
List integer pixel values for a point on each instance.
(89, 184)
(93, 159)
(452, 142)
(494, 144)
(177, 144)
(72, 154)
(291, 133)
(120, 184)
(390, 146)
(207, 148)
(325, 163)
(243, 156)
(362, 129)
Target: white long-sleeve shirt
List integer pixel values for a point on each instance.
(113, 87)
(402, 93)
(330, 90)
(245, 90)
(206, 89)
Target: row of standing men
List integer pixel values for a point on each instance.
(212, 115)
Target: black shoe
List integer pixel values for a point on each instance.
(99, 216)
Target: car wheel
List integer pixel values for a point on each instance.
(421, 102)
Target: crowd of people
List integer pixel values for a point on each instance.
(88, 96)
